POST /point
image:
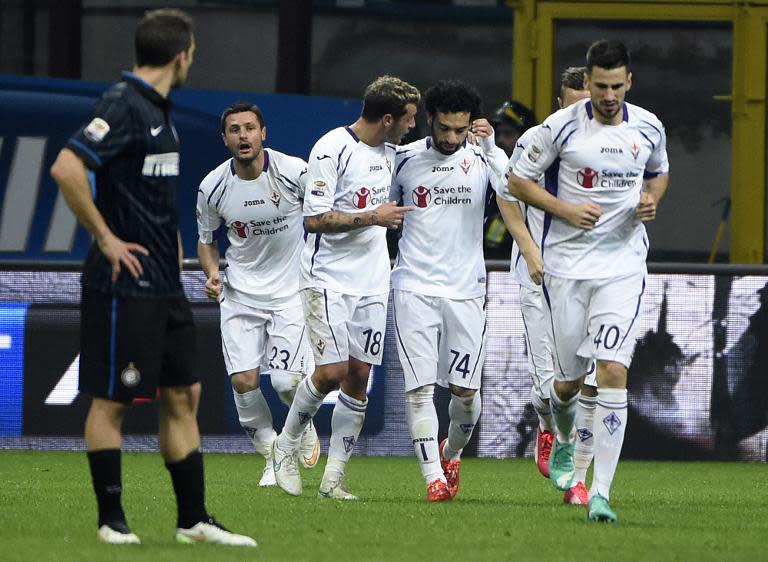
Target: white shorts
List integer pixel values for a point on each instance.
(267, 339)
(439, 340)
(593, 319)
(342, 326)
(537, 337)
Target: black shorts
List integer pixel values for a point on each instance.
(131, 346)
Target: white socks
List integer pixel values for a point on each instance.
(563, 414)
(256, 419)
(582, 452)
(422, 421)
(346, 423)
(542, 410)
(464, 412)
(305, 405)
(284, 384)
(609, 426)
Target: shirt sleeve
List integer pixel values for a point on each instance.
(322, 177)
(106, 135)
(658, 163)
(537, 156)
(208, 218)
(516, 153)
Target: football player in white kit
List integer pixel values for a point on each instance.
(594, 249)
(345, 275)
(439, 277)
(257, 194)
(525, 225)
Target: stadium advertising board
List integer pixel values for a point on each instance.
(697, 385)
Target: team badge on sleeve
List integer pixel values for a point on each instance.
(96, 129)
(318, 188)
(533, 153)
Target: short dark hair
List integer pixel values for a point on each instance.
(607, 53)
(452, 96)
(161, 35)
(241, 107)
(388, 95)
(573, 78)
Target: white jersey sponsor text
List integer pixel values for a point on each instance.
(348, 176)
(264, 227)
(583, 160)
(441, 247)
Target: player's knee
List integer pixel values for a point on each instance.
(566, 390)
(106, 411)
(328, 378)
(422, 395)
(462, 392)
(611, 374)
(284, 382)
(180, 401)
(245, 381)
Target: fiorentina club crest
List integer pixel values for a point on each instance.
(360, 198)
(422, 196)
(349, 443)
(389, 165)
(275, 198)
(466, 427)
(635, 150)
(612, 422)
(583, 434)
(586, 177)
(465, 165)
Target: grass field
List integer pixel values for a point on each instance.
(504, 511)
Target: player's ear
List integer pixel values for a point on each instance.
(387, 120)
(224, 139)
(429, 120)
(263, 134)
(629, 81)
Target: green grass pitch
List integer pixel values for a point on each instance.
(504, 511)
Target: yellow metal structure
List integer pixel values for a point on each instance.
(533, 75)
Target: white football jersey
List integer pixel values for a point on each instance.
(583, 160)
(348, 176)
(264, 226)
(441, 247)
(534, 217)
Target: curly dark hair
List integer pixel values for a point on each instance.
(452, 96)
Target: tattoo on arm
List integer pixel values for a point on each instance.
(335, 221)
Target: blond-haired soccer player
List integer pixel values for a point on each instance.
(345, 275)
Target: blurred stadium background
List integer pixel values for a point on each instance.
(699, 384)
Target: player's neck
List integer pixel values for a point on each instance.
(159, 77)
(251, 170)
(370, 133)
